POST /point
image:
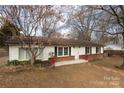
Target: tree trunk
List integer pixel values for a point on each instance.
(123, 53)
(122, 62)
(33, 60)
(123, 40)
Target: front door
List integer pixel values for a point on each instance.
(76, 53)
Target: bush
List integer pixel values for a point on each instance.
(25, 62)
(38, 62)
(13, 62)
(45, 63)
(42, 63)
(16, 62)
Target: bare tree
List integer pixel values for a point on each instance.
(34, 21)
(82, 21)
(117, 12)
(110, 20)
(92, 23)
(113, 19)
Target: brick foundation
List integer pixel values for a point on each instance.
(91, 56)
(67, 58)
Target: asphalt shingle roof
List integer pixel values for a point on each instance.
(49, 41)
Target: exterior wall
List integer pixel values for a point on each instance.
(91, 56)
(81, 50)
(76, 51)
(66, 58)
(102, 50)
(13, 53)
(46, 52)
(93, 50)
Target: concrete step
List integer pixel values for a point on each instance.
(70, 62)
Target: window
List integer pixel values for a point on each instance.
(28, 53)
(40, 52)
(25, 53)
(37, 51)
(98, 49)
(88, 50)
(65, 50)
(22, 53)
(60, 51)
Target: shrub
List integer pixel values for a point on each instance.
(38, 62)
(42, 63)
(16, 62)
(24, 62)
(13, 62)
(45, 63)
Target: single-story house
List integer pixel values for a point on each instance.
(62, 49)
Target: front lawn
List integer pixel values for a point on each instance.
(80, 75)
(109, 62)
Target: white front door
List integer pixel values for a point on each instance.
(76, 53)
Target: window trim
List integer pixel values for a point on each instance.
(62, 51)
(24, 54)
(28, 55)
(90, 50)
(58, 51)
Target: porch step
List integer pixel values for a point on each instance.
(70, 62)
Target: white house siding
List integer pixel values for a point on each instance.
(13, 53)
(76, 51)
(93, 50)
(22, 54)
(81, 50)
(46, 52)
(102, 49)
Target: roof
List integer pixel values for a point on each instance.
(48, 41)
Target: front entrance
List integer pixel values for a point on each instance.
(77, 53)
(76, 56)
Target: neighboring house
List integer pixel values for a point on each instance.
(62, 49)
(113, 47)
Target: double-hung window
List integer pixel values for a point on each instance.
(98, 50)
(22, 53)
(60, 51)
(88, 50)
(63, 51)
(25, 53)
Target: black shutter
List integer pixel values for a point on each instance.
(69, 51)
(90, 50)
(56, 51)
(85, 50)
